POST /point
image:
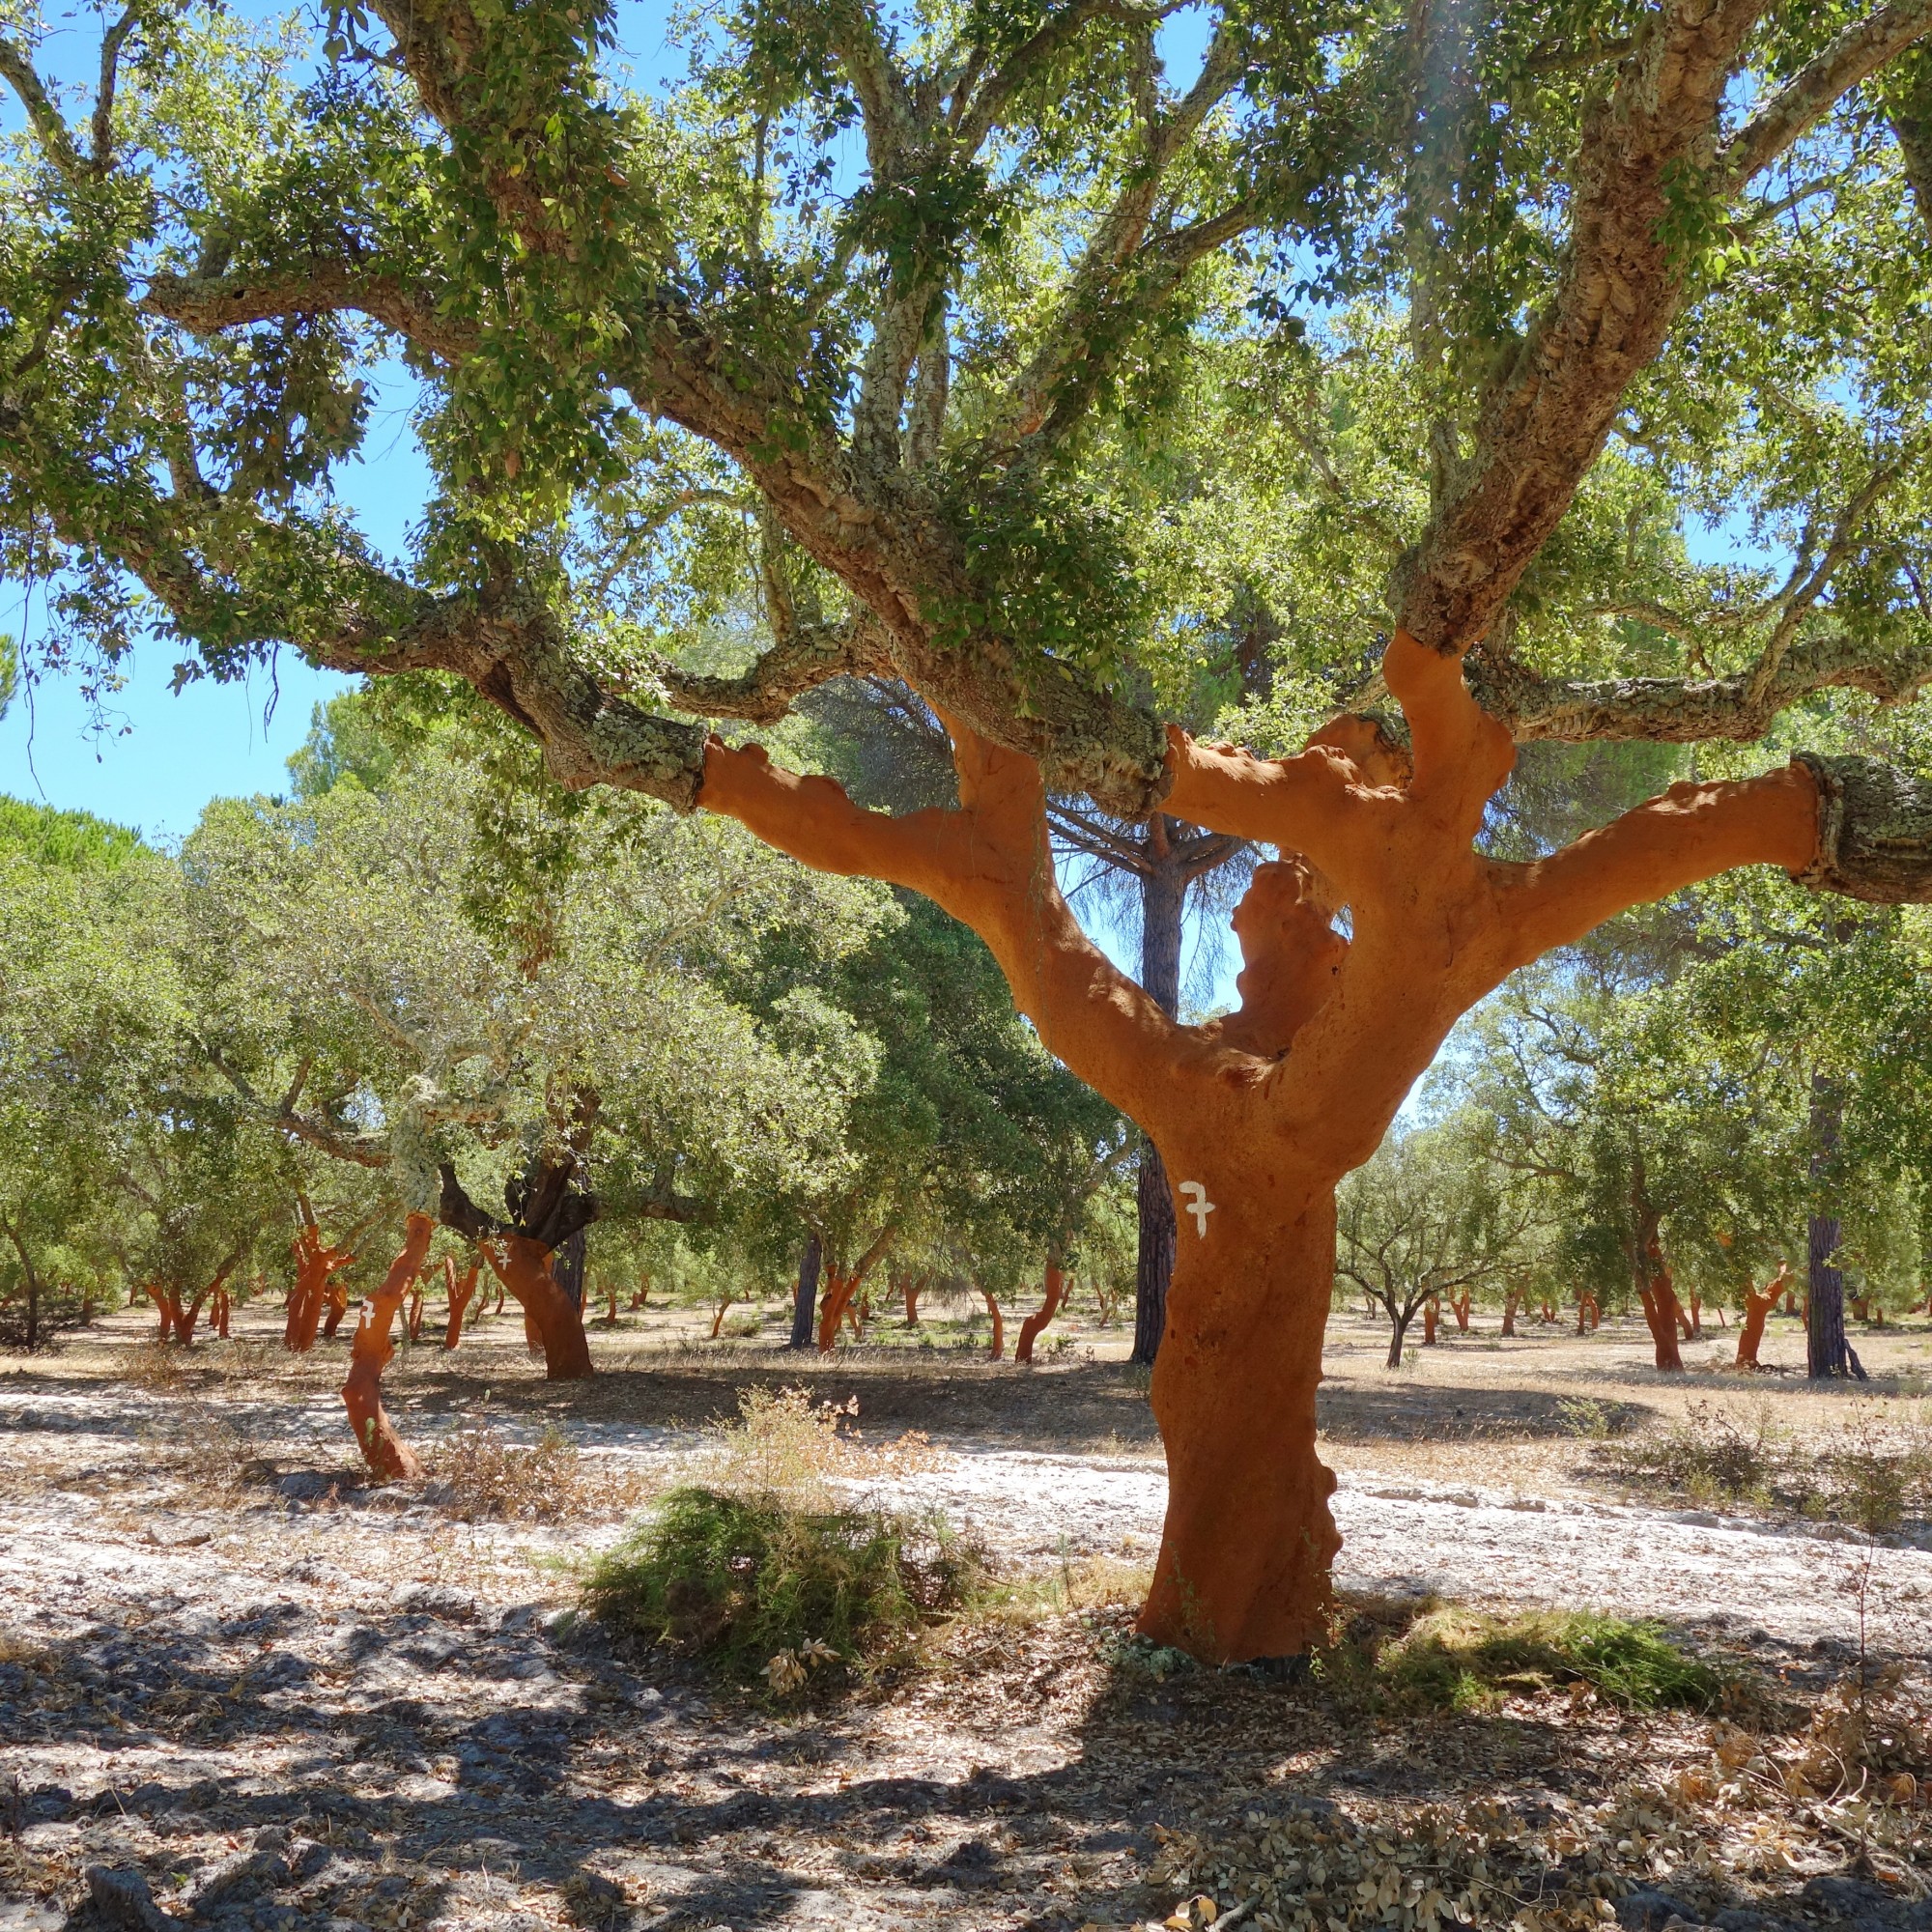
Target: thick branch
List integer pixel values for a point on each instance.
(1688, 711)
(811, 655)
(50, 130)
(209, 305)
(1805, 99)
(1545, 420)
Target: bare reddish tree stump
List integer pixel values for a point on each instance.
(385, 1450)
(1030, 1328)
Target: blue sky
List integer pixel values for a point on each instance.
(152, 758)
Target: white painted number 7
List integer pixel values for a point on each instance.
(1198, 1205)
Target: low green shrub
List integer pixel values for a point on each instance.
(760, 1588)
(1461, 1660)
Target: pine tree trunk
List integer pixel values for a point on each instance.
(1163, 903)
(1828, 1355)
(805, 1297)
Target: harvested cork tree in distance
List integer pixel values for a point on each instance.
(388, 1456)
(996, 1346)
(1049, 1306)
(461, 1288)
(954, 521)
(545, 1206)
(1758, 1305)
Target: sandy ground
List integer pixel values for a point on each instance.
(285, 1707)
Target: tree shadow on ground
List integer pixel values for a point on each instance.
(431, 1760)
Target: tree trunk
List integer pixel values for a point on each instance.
(718, 1319)
(998, 1346)
(1828, 1355)
(805, 1297)
(522, 1267)
(1648, 1273)
(914, 1285)
(839, 1288)
(1398, 1335)
(1431, 1314)
(1243, 1570)
(412, 1321)
(1153, 1266)
(336, 1298)
(461, 1288)
(385, 1450)
(1510, 1301)
(1460, 1309)
(1751, 1331)
(1030, 1327)
(1163, 908)
(608, 1318)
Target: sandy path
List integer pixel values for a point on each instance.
(1794, 1586)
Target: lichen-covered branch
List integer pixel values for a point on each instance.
(1685, 710)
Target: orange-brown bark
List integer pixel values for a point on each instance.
(1458, 1307)
(997, 1347)
(413, 1319)
(911, 1288)
(552, 1324)
(717, 1317)
(1549, 1311)
(608, 1318)
(1258, 1115)
(839, 1291)
(369, 1350)
(1510, 1300)
(316, 1263)
(335, 1302)
(1661, 1315)
(1758, 1304)
(459, 1288)
(1429, 1316)
(1049, 1307)
(1589, 1315)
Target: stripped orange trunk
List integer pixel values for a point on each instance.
(839, 1288)
(552, 1324)
(998, 1346)
(385, 1450)
(1049, 1307)
(460, 1289)
(1429, 1316)
(718, 1319)
(1758, 1304)
(1460, 1311)
(315, 1267)
(1510, 1301)
(1259, 1113)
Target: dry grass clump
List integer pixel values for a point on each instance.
(158, 1367)
(1875, 1472)
(478, 1474)
(786, 1444)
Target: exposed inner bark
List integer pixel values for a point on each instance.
(1259, 1113)
(1049, 1307)
(461, 1290)
(388, 1455)
(997, 1347)
(1758, 1304)
(551, 1318)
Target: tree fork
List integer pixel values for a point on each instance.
(388, 1456)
